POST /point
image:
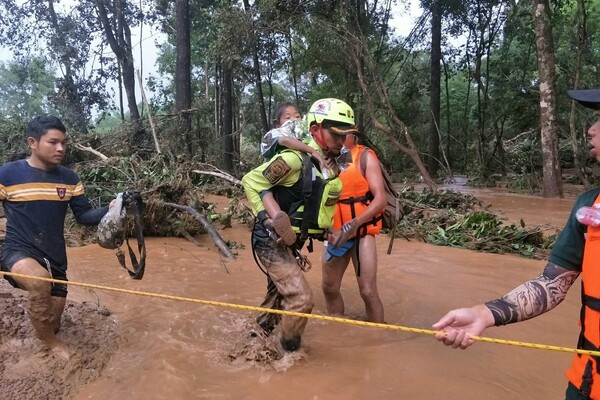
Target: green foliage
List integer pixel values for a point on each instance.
(447, 218)
(483, 231)
(107, 122)
(26, 88)
(525, 154)
(440, 199)
(489, 83)
(525, 182)
(12, 142)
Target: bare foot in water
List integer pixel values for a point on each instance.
(61, 351)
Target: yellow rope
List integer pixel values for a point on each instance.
(304, 315)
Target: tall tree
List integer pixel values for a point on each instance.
(115, 17)
(183, 72)
(26, 88)
(575, 134)
(436, 55)
(380, 109)
(254, 39)
(68, 98)
(65, 38)
(552, 186)
(227, 117)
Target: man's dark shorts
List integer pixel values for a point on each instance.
(8, 259)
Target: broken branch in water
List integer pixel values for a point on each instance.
(219, 242)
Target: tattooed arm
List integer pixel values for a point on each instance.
(529, 300)
(534, 297)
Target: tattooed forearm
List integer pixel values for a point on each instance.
(534, 297)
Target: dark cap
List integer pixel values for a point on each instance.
(340, 128)
(589, 98)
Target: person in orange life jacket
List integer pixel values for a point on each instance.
(36, 193)
(329, 121)
(576, 252)
(362, 201)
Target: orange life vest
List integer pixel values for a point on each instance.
(584, 372)
(355, 196)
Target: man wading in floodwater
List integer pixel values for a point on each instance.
(308, 195)
(35, 193)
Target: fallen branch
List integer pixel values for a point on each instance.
(189, 237)
(220, 174)
(152, 127)
(219, 242)
(90, 150)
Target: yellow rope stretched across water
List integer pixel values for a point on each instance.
(313, 316)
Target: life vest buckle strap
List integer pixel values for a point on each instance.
(591, 302)
(352, 200)
(585, 344)
(587, 379)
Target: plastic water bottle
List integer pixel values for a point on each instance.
(343, 159)
(589, 216)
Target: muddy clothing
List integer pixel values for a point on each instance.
(35, 205)
(287, 287)
(578, 249)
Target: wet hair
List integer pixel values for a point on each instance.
(279, 110)
(40, 125)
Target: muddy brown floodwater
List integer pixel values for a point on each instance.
(170, 349)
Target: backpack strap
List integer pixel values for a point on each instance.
(309, 212)
(363, 161)
(388, 183)
(369, 196)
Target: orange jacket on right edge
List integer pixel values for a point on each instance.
(355, 196)
(584, 371)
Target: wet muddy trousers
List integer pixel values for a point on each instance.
(287, 290)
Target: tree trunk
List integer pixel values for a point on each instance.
(293, 66)
(227, 121)
(578, 158)
(434, 134)
(183, 85)
(552, 185)
(376, 102)
(118, 36)
(68, 99)
(257, 75)
(479, 34)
